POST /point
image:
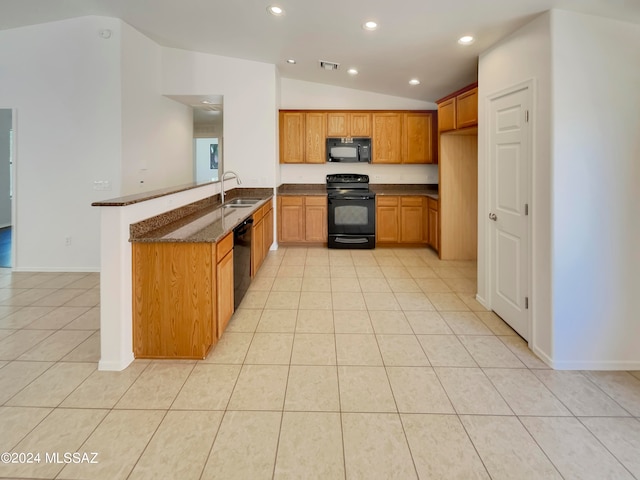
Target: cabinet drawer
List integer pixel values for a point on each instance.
(316, 200)
(411, 201)
(224, 246)
(291, 201)
(257, 215)
(387, 201)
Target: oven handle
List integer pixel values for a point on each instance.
(351, 197)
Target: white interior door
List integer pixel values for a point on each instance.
(508, 207)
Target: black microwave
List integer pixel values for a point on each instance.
(352, 150)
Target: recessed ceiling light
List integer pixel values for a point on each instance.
(414, 81)
(352, 71)
(207, 102)
(370, 25)
(466, 40)
(291, 61)
(275, 10)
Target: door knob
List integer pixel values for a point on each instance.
(493, 216)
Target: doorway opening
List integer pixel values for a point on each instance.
(7, 230)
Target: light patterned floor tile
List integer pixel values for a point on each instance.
(401, 350)
(427, 323)
(418, 390)
(471, 392)
(375, 446)
(465, 323)
(260, 387)
(157, 387)
(391, 322)
(312, 389)
(488, 351)
(231, 348)
(208, 387)
(621, 436)
(441, 449)
(57, 318)
(352, 321)
(313, 349)
(310, 447)
(270, 348)
(245, 446)
(445, 351)
(17, 422)
(365, 389)
(357, 349)
(56, 346)
(17, 375)
(623, 387)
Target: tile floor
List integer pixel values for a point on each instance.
(339, 364)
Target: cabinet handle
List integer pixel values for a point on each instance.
(493, 216)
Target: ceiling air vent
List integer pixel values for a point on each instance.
(329, 65)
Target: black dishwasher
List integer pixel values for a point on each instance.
(241, 260)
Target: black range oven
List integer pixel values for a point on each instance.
(351, 212)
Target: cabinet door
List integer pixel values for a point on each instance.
(412, 219)
(292, 137)
(447, 115)
(224, 273)
(291, 219)
(387, 138)
(467, 108)
(268, 230)
(418, 138)
(387, 219)
(337, 125)
(257, 246)
(315, 211)
(360, 124)
(433, 224)
(315, 137)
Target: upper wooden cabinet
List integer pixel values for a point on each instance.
(397, 136)
(458, 110)
(348, 124)
(387, 137)
(302, 137)
(419, 143)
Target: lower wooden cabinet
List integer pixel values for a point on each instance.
(433, 224)
(302, 219)
(262, 236)
(224, 283)
(401, 220)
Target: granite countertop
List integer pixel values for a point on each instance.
(429, 190)
(205, 221)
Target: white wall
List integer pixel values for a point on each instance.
(250, 109)
(523, 56)
(297, 94)
(596, 209)
(585, 210)
(157, 132)
(5, 199)
(63, 79)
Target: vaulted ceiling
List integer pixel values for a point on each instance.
(414, 39)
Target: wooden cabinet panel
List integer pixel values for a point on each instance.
(292, 137)
(387, 138)
(315, 211)
(447, 115)
(315, 137)
(360, 124)
(418, 138)
(467, 109)
(257, 245)
(387, 219)
(291, 219)
(225, 298)
(268, 228)
(337, 125)
(432, 219)
(412, 219)
(173, 300)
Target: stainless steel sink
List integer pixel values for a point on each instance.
(241, 202)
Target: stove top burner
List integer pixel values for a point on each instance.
(347, 182)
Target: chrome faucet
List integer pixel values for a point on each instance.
(235, 175)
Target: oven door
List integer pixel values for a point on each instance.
(351, 221)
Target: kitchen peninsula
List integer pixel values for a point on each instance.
(152, 212)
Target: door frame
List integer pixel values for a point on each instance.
(14, 184)
(484, 209)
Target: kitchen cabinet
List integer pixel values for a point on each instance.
(401, 220)
(432, 223)
(302, 219)
(419, 144)
(292, 137)
(387, 137)
(302, 137)
(348, 124)
(458, 110)
(262, 236)
(173, 299)
(224, 283)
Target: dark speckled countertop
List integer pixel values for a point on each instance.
(429, 190)
(205, 221)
